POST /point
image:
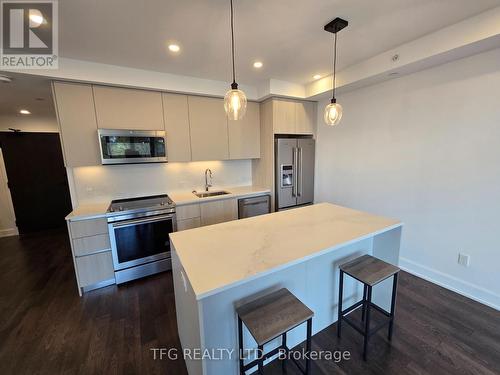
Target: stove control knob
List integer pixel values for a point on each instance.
(120, 208)
(162, 203)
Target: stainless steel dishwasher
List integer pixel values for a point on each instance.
(254, 206)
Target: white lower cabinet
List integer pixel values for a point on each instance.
(218, 211)
(191, 223)
(187, 211)
(90, 245)
(207, 213)
(94, 269)
(91, 251)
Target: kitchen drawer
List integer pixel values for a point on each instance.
(188, 211)
(194, 222)
(93, 269)
(92, 244)
(86, 228)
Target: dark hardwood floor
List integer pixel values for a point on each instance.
(45, 328)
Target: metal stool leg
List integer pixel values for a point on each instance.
(363, 308)
(308, 346)
(393, 304)
(341, 291)
(367, 322)
(240, 344)
(261, 362)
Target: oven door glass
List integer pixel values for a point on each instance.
(142, 241)
(132, 147)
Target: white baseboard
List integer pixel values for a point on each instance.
(464, 288)
(9, 232)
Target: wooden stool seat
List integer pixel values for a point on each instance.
(369, 270)
(268, 318)
(272, 315)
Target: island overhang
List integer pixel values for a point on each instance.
(221, 256)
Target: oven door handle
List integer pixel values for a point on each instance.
(127, 223)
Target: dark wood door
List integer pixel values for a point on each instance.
(37, 179)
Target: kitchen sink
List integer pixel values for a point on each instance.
(210, 194)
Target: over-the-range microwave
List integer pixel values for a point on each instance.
(132, 146)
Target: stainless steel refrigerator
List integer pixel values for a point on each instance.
(294, 159)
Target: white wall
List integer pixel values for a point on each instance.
(103, 183)
(29, 123)
(425, 148)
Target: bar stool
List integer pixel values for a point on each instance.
(370, 271)
(268, 318)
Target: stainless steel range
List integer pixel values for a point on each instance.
(139, 230)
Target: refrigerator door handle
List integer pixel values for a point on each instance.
(294, 181)
(299, 176)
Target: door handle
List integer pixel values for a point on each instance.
(299, 162)
(255, 203)
(152, 219)
(294, 182)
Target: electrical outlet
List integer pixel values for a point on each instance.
(464, 259)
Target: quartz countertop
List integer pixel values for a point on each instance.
(216, 257)
(98, 210)
(88, 211)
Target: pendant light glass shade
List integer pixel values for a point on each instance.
(333, 114)
(235, 104)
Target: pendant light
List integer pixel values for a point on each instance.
(333, 111)
(235, 101)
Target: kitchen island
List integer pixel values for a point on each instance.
(220, 267)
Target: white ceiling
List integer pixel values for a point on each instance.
(26, 92)
(287, 35)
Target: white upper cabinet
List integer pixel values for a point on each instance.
(244, 134)
(305, 117)
(292, 117)
(208, 126)
(76, 115)
(283, 117)
(120, 108)
(176, 113)
(196, 127)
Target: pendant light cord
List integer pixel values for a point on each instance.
(232, 41)
(334, 65)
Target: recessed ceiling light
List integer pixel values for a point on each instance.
(174, 47)
(316, 76)
(258, 64)
(24, 112)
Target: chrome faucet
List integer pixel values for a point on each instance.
(208, 172)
